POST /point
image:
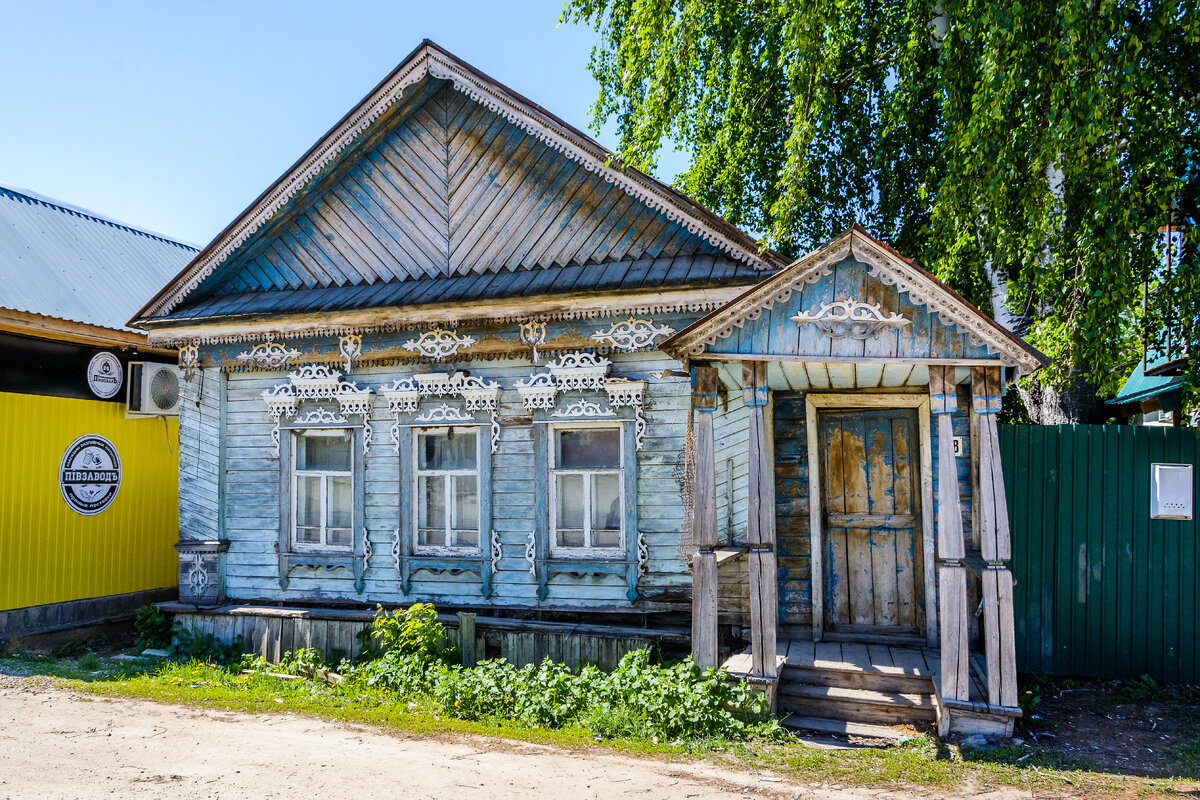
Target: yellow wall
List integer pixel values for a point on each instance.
(49, 553)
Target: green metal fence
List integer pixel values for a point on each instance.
(1102, 589)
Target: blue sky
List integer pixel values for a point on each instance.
(173, 116)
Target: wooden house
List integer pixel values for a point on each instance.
(457, 355)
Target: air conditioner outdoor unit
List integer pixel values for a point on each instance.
(152, 390)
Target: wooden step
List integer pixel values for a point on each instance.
(841, 727)
(877, 680)
(857, 705)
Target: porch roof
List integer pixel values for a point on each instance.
(883, 266)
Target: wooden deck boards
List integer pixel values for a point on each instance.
(882, 659)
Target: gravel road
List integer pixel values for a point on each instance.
(55, 743)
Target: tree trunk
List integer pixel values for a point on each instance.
(1079, 403)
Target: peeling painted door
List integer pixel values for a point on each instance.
(871, 524)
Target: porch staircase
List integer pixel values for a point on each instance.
(856, 689)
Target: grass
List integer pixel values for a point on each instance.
(923, 761)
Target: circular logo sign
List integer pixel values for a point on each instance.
(104, 375)
(90, 474)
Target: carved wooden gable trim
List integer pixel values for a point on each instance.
(552, 140)
(849, 316)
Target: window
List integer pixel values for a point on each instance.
(323, 490)
(447, 476)
(586, 484)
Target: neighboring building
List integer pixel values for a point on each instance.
(456, 355)
(82, 539)
(1153, 392)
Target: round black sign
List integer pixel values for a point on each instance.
(90, 474)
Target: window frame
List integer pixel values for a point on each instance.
(297, 546)
(418, 549)
(588, 551)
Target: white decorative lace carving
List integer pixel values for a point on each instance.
(531, 554)
(444, 413)
(439, 343)
(197, 577)
(353, 400)
(272, 355)
(643, 553)
(189, 360)
(438, 384)
(496, 552)
(478, 394)
(402, 395)
(579, 371)
(537, 391)
(321, 416)
(315, 381)
(851, 319)
(366, 555)
(280, 400)
(583, 408)
(350, 348)
(632, 334)
(495, 425)
(533, 333)
(624, 393)
(396, 550)
(368, 432)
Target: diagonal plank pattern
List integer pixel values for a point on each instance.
(451, 188)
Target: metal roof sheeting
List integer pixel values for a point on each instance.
(66, 262)
(634, 275)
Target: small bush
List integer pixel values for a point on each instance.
(413, 631)
(1143, 688)
(153, 628)
(204, 647)
(89, 662)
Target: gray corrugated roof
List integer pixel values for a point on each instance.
(638, 275)
(66, 262)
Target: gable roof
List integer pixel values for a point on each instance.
(884, 263)
(65, 262)
(420, 77)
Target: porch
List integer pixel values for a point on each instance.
(880, 609)
(868, 690)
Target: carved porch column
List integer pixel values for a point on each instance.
(704, 518)
(952, 575)
(987, 392)
(760, 524)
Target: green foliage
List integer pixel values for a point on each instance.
(411, 631)
(1143, 688)
(89, 662)
(153, 628)
(1037, 146)
(204, 647)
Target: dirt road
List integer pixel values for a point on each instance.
(59, 744)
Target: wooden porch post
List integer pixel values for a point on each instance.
(952, 575)
(760, 524)
(704, 518)
(987, 393)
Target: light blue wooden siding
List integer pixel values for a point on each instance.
(775, 333)
(731, 448)
(451, 189)
(252, 564)
(199, 455)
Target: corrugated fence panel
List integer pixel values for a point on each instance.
(1102, 589)
(50, 554)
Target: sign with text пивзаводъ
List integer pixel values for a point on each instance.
(90, 474)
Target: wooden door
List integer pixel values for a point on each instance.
(871, 523)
